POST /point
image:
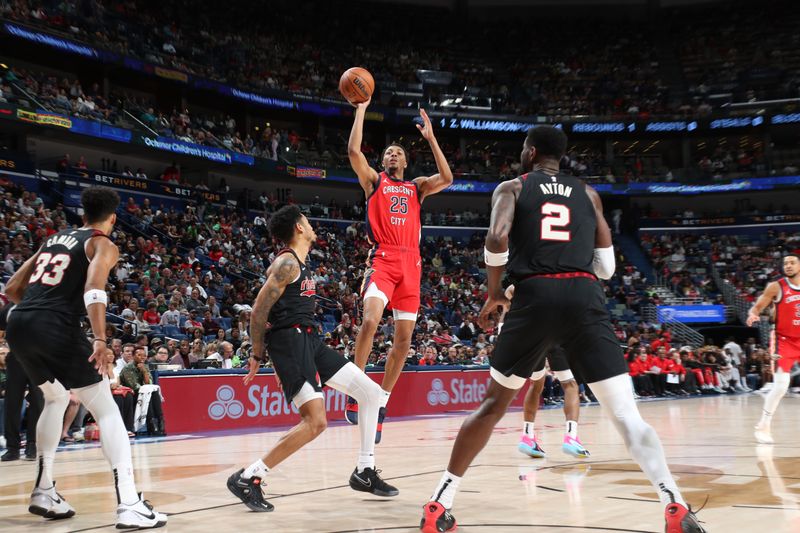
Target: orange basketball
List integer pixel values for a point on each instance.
(356, 85)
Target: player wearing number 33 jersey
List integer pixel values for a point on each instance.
(52, 308)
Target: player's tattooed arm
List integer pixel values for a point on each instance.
(280, 274)
(770, 295)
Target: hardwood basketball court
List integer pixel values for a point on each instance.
(708, 442)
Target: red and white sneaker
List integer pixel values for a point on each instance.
(679, 519)
(436, 519)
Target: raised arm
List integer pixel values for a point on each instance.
(367, 176)
(280, 274)
(438, 182)
(16, 286)
(771, 294)
(103, 255)
(604, 261)
(504, 202)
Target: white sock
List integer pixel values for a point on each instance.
(384, 398)
(616, 397)
(257, 469)
(572, 429)
(527, 429)
(113, 437)
(365, 460)
(48, 430)
(353, 382)
(773, 398)
(123, 480)
(446, 490)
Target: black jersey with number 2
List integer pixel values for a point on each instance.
(554, 227)
(296, 305)
(58, 280)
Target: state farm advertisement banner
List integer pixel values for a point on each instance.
(199, 402)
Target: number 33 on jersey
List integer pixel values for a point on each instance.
(59, 275)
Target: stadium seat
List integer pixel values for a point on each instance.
(172, 331)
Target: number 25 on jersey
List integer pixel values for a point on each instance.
(555, 219)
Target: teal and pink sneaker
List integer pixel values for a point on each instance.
(530, 447)
(574, 448)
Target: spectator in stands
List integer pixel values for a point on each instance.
(151, 315)
(192, 322)
(198, 350)
(135, 376)
(162, 355)
(172, 316)
(225, 355)
(638, 370)
(183, 356)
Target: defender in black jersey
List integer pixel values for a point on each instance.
(548, 229)
(282, 321)
(53, 290)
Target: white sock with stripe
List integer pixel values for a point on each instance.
(446, 490)
(257, 469)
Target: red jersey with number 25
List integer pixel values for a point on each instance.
(394, 213)
(787, 310)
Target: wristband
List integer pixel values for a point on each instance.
(495, 259)
(95, 296)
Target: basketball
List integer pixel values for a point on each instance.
(356, 85)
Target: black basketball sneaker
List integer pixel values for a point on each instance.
(436, 519)
(370, 481)
(250, 492)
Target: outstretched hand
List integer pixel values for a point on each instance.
(362, 105)
(426, 128)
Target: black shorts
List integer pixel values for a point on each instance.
(556, 359)
(51, 346)
(301, 357)
(547, 313)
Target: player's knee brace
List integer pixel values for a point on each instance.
(353, 382)
(55, 393)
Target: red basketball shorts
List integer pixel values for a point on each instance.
(789, 350)
(393, 275)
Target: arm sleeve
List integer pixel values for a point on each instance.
(604, 262)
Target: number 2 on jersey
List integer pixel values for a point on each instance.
(556, 216)
(55, 274)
